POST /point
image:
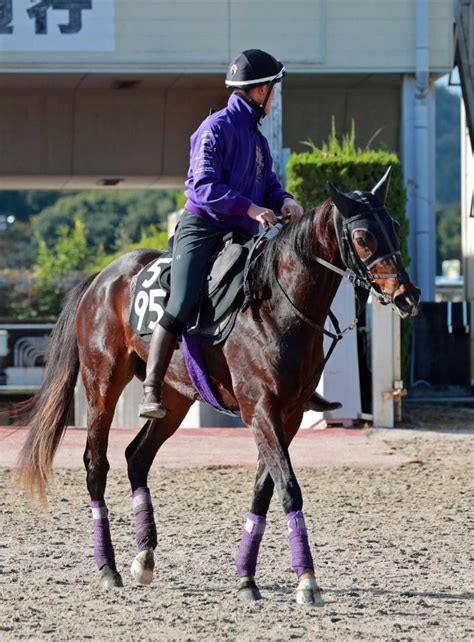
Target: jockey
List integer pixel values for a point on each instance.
(230, 187)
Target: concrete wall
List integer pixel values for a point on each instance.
(72, 138)
(184, 35)
(371, 100)
(67, 119)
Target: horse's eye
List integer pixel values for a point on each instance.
(361, 242)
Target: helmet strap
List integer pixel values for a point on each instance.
(264, 104)
(253, 103)
(256, 105)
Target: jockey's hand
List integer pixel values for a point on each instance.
(263, 215)
(291, 208)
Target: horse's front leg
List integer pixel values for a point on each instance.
(268, 430)
(254, 528)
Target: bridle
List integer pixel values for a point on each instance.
(356, 272)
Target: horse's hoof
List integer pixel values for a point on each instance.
(143, 566)
(248, 590)
(110, 578)
(308, 592)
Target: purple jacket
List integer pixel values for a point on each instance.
(230, 168)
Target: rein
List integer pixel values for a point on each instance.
(336, 337)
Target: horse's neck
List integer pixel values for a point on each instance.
(311, 286)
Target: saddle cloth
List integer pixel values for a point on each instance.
(220, 301)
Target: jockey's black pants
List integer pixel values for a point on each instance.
(195, 242)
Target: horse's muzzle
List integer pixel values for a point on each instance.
(406, 300)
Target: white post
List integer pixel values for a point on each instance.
(272, 129)
(340, 379)
(467, 218)
(407, 153)
(383, 365)
(398, 388)
(425, 215)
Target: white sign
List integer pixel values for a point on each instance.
(57, 25)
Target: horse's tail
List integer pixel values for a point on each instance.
(48, 411)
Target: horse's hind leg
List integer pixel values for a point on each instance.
(103, 383)
(140, 454)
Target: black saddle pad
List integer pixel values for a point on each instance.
(150, 293)
(220, 302)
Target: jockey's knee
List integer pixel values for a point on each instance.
(172, 324)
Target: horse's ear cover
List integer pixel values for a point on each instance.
(380, 191)
(340, 200)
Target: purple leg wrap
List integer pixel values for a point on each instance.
(144, 521)
(301, 559)
(246, 560)
(103, 549)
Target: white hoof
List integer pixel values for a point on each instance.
(308, 592)
(143, 566)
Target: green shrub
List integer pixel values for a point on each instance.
(56, 270)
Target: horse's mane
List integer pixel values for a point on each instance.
(305, 237)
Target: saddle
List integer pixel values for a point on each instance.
(221, 298)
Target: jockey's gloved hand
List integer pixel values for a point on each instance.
(263, 215)
(291, 208)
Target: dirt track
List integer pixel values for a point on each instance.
(392, 544)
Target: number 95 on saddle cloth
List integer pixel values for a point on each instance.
(220, 300)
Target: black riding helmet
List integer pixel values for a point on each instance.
(254, 67)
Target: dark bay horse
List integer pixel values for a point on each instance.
(268, 368)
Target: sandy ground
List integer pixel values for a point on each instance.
(392, 545)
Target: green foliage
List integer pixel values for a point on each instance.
(335, 147)
(448, 233)
(24, 205)
(56, 270)
(70, 253)
(17, 248)
(112, 219)
(180, 200)
(75, 233)
(153, 239)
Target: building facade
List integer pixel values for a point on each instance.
(107, 92)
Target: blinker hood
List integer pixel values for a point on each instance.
(379, 226)
(365, 211)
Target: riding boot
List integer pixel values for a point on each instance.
(319, 404)
(162, 346)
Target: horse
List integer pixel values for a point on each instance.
(267, 369)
